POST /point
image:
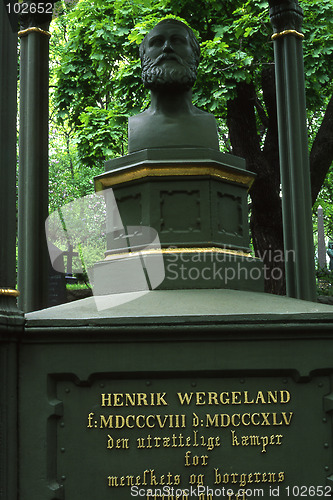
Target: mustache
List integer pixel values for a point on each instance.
(168, 57)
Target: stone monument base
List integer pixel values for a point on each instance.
(185, 268)
(196, 200)
(214, 390)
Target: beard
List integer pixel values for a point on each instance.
(181, 76)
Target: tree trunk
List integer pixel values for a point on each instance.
(266, 215)
(321, 156)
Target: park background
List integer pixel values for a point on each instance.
(95, 85)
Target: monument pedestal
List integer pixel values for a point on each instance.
(180, 388)
(191, 391)
(196, 200)
(181, 393)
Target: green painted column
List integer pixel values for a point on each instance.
(11, 321)
(33, 263)
(287, 18)
(8, 95)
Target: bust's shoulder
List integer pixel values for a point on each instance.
(195, 129)
(200, 112)
(151, 114)
(145, 114)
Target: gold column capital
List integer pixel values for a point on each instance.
(33, 30)
(9, 292)
(275, 36)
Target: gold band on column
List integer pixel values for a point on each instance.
(33, 30)
(9, 292)
(287, 32)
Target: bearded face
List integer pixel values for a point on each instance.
(168, 71)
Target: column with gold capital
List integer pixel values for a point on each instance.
(8, 93)
(11, 320)
(287, 18)
(33, 261)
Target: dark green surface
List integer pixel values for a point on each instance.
(11, 323)
(172, 341)
(187, 211)
(186, 271)
(184, 131)
(8, 104)
(187, 308)
(33, 260)
(175, 156)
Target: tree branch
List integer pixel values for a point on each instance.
(321, 156)
(242, 125)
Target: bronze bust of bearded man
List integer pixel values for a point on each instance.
(170, 56)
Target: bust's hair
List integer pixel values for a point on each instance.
(193, 41)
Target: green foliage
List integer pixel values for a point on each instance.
(324, 282)
(99, 73)
(69, 178)
(96, 72)
(318, 51)
(101, 133)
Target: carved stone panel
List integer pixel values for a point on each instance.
(229, 214)
(180, 211)
(130, 206)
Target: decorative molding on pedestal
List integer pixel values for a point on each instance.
(196, 200)
(174, 162)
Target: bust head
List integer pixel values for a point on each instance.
(170, 56)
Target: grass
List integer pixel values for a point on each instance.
(77, 286)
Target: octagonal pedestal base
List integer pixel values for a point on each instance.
(196, 200)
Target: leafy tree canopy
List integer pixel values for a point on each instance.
(97, 80)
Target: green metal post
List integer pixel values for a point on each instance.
(8, 85)
(287, 18)
(11, 321)
(33, 263)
